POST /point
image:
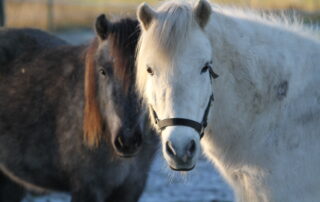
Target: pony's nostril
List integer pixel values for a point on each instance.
(138, 143)
(191, 148)
(170, 149)
(119, 142)
(138, 140)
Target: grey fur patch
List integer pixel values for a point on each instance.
(309, 116)
(282, 90)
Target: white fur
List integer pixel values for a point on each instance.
(264, 140)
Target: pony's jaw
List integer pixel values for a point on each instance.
(182, 155)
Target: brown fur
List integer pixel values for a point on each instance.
(92, 119)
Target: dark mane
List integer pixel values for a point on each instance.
(123, 39)
(92, 119)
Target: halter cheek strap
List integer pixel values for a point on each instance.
(199, 127)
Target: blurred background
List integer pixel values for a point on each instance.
(57, 15)
(73, 20)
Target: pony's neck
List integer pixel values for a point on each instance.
(252, 58)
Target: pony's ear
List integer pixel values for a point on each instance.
(102, 27)
(202, 12)
(145, 15)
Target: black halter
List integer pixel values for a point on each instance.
(199, 127)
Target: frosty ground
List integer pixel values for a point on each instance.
(203, 184)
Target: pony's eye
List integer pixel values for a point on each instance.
(102, 72)
(205, 68)
(150, 71)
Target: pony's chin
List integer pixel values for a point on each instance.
(182, 169)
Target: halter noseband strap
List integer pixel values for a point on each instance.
(199, 127)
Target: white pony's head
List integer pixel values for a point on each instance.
(173, 75)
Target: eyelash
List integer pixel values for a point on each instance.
(206, 67)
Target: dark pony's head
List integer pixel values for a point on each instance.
(111, 104)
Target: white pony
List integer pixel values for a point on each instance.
(263, 130)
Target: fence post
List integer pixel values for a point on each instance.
(50, 15)
(2, 13)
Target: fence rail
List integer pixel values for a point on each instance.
(59, 14)
(112, 3)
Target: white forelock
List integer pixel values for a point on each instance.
(170, 30)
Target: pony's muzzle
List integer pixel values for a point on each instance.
(183, 157)
(127, 144)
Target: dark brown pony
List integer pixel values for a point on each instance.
(68, 116)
